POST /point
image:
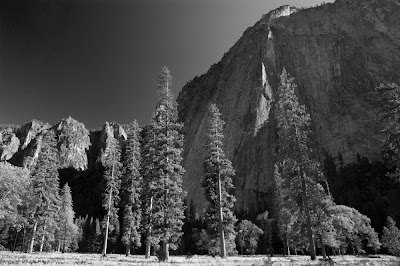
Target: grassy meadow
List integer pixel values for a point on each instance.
(16, 258)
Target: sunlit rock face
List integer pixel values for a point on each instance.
(73, 143)
(30, 136)
(9, 144)
(336, 52)
(24, 143)
(22, 146)
(109, 132)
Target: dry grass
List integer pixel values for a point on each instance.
(39, 259)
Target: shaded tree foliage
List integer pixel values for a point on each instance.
(131, 189)
(386, 98)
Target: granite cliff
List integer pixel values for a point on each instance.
(336, 52)
(22, 145)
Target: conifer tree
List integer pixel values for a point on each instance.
(45, 185)
(386, 99)
(147, 171)
(218, 185)
(67, 228)
(165, 183)
(391, 237)
(298, 170)
(110, 196)
(131, 189)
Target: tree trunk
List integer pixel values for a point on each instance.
(43, 238)
(15, 240)
(109, 209)
(64, 237)
(23, 240)
(128, 249)
(148, 244)
(308, 218)
(164, 252)
(42, 243)
(323, 250)
(271, 252)
(287, 246)
(33, 238)
(148, 249)
(59, 246)
(108, 223)
(221, 218)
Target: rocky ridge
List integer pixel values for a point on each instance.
(21, 145)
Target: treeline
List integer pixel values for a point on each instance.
(145, 209)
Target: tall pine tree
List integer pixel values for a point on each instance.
(165, 183)
(218, 184)
(131, 189)
(45, 185)
(148, 171)
(110, 196)
(299, 171)
(67, 228)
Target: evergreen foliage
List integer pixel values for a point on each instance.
(68, 230)
(164, 180)
(91, 235)
(248, 236)
(148, 173)
(110, 197)
(218, 172)
(306, 211)
(391, 237)
(131, 189)
(386, 98)
(300, 173)
(45, 185)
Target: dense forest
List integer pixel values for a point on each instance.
(132, 201)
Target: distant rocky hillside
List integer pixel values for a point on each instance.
(22, 145)
(336, 52)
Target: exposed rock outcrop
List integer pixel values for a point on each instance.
(73, 143)
(109, 132)
(30, 136)
(9, 144)
(337, 53)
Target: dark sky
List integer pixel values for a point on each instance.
(98, 60)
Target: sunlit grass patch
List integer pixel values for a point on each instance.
(39, 259)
